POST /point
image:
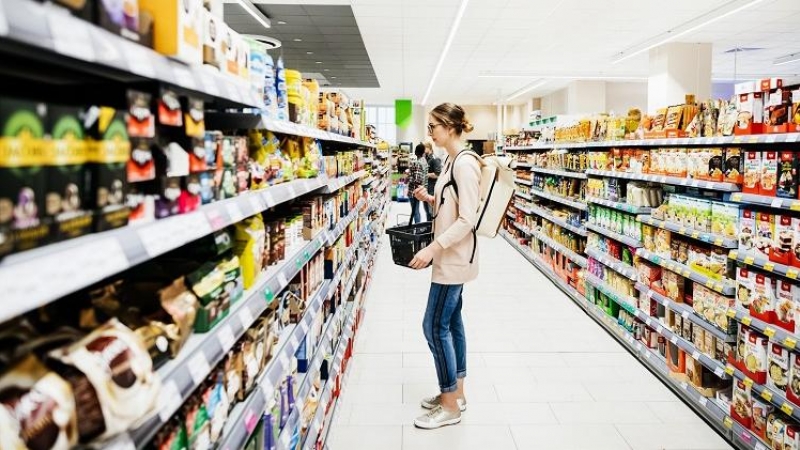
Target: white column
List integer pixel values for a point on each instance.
(677, 69)
(586, 97)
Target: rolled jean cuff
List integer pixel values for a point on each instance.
(449, 389)
(461, 375)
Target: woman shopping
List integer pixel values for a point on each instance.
(455, 262)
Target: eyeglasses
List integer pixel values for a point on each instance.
(432, 126)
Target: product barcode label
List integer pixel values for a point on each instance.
(660, 329)
(199, 368)
(703, 401)
(282, 279)
(696, 355)
(777, 203)
(685, 314)
(169, 400)
(295, 342)
(226, 338)
(674, 339)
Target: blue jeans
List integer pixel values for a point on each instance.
(415, 218)
(444, 331)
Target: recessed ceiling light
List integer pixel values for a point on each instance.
(327, 70)
(309, 53)
(280, 22)
(447, 44)
(298, 40)
(788, 59)
(333, 78)
(319, 62)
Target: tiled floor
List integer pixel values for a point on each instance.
(541, 373)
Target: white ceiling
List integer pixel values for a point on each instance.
(405, 38)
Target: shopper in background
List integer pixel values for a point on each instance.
(418, 177)
(434, 169)
(455, 212)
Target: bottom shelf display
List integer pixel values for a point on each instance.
(748, 414)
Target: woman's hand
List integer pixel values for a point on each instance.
(421, 194)
(424, 257)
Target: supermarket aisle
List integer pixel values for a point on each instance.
(541, 373)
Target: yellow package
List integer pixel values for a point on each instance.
(250, 237)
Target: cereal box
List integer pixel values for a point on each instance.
(786, 305)
(745, 285)
(752, 172)
(747, 230)
(778, 374)
(769, 174)
(765, 232)
(762, 306)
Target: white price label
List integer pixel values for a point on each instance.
(282, 279)
(285, 439)
(684, 385)
(246, 317)
(284, 362)
(696, 355)
(226, 338)
(255, 204)
(648, 354)
(305, 326)
(650, 294)
(295, 343)
(659, 329)
(209, 83)
(70, 35)
(140, 60)
(685, 314)
(695, 184)
(234, 212)
(268, 199)
(771, 139)
(648, 322)
(703, 401)
(777, 203)
(793, 137)
(267, 390)
(233, 93)
(719, 372)
(638, 347)
(199, 368)
(169, 400)
(183, 76)
(292, 193)
(674, 339)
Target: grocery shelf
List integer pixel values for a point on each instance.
(625, 301)
(776, 398)
(619, 206)
(711, 238)
(510, 215)
(560, 222)
(763, 200)
(677, 181)
(724, 286)
(775, 333)
(383, 170)
(612, 263)
(59, 41)
(338, 183)
(98, 256)
(524, 229)
(686, 311)
(181, 376)
(560, 173)
(762, 262)
(574, 257)
(523, 165)
(525, 182)
(629, 241)
(286, 127)
(525, 196)
(560, 199)
(744, 437)
(682, 142)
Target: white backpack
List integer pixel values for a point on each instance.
(496, 191)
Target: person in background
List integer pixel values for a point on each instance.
(417, 178)
(454, 256)
(434, 169)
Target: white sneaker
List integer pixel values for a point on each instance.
(433, 402)
(436, 418)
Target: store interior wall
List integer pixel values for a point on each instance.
(484, 118)
(620, 97)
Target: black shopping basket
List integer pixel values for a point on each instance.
(407, 240)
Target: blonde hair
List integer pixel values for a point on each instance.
(453, 116)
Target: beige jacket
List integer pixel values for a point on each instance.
(455, 220)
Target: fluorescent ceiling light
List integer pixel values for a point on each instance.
(562, 77)
(705, 20)
(255, 12)
(788, 59)
(447, 44)
(526, 89)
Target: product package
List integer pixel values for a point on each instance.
(747, 230)
(765, 232)
(111, 375)
(783, 242)
(178, 28)
(787, 304)
(762, 306)
(109, 149)
(787, 175)
(745, 287)
(742, 406)
(769, 174)
(793, 392)
(779, 360)
(752, 172)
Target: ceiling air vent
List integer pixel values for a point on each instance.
(744, 49)
(270, 42)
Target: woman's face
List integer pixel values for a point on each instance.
(438, 132)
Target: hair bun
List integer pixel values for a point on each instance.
(467, 126)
